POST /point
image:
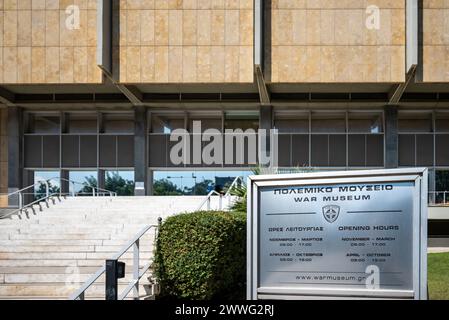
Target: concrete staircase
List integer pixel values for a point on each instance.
(51, 252)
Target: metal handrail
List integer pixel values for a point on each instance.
(227, 195)
(94, 188)
(137, 272)
(433, 195)
(29, 205)
(31, 186)
(208, 198)
(233, 184)
(20, 193)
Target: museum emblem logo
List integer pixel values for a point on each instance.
(331, 213)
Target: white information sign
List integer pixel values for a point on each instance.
(359, 234)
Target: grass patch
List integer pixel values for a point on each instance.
(438, 276)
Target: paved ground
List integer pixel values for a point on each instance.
(438, 245)
(438, 250)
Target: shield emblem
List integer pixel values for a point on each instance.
(331, 213)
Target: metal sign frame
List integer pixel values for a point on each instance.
(418, 176)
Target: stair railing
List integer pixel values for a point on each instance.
(208, 200)
(21, 206)
(227, 195)
(96, 191)
(233, 185)
(114, 270)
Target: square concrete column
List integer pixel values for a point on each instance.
(14, 152)
(266, 123)
(391, 137)
(65, 185)
(101, 179)
(150, 182)
(140, 151)
(432, 185)
(28, 180)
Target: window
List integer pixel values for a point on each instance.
(328, 122)
(84, 180)
(121, 182)
(442, 122)
(118, 123)
(44, 123)
(53, 183)
(206, 123)
(415, 122)
(292, 123)
(242, 120)
(167, 183)
(361, 122)
(166, 123)
(81, 123)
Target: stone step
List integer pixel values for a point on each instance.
(96, 263)
(84, 225)
(80, 236)
(69, 248)
(60, 290)
(83, 221)
(128, 255)
(69, 240)
(46, 269)
(76, 242)
(34, 242)
(52, 229)
(63, 236)
(51, 248)
(73, 278)
(67, 255)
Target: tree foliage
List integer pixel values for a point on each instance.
(115, 182)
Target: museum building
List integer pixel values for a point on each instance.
(99, 86)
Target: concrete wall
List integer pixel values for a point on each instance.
(436, 41)
(328, 41)
(36, 46)
(3, 157)
(439, 212)
(186, 41)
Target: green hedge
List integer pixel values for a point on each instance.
(202, 256)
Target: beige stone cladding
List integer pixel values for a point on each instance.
(436, 41)
(331, 41)
(43, 41)
(3, 157)
(186, 41)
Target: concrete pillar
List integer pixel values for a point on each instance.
(150, 183)
(28, 180)
(101, 179)
(432, 185)
(266, 123)
(14, 152)
(140, 151)
(391, 137)
(65, 185)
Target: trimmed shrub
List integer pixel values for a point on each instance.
(202, 256)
